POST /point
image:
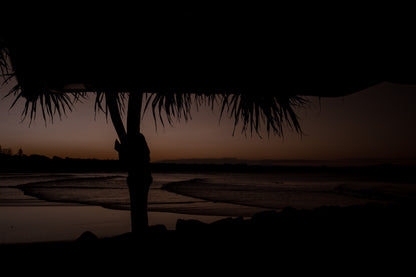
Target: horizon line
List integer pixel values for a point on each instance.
(265, 162)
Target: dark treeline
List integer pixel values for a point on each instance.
(39, 163)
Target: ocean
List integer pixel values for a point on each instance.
(61, 206)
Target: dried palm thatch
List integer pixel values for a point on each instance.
(256, 80)
(47, 87)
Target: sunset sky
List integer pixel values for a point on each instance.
(376, 123)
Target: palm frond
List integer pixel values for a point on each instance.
(254, 110)
(248, 109)
(170, 105)
(51, 104)
(102, 106)
(3, 57)
(5, 70)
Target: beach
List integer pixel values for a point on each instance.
(74, 199)
(197, 224)
(370, 239)
(59, 207)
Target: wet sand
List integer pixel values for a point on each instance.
(363, 239)
(31, 224)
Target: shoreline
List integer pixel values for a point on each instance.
(200, 206)
(45, 224)
(375, 228)
(284, 221)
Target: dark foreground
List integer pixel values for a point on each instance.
(374, 237)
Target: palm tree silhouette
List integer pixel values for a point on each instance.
(166, 69)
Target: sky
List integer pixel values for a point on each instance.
(374, 124)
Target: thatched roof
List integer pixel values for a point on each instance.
(266, 67)
(125, 48)
(175, 56)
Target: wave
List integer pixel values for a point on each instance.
(29, 186)
(52, 183)
(213, 195)
(280, 195)
(108, 192)
(30, 176)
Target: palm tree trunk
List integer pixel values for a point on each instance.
(135, 156)
(140, 177)
(139, 180)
